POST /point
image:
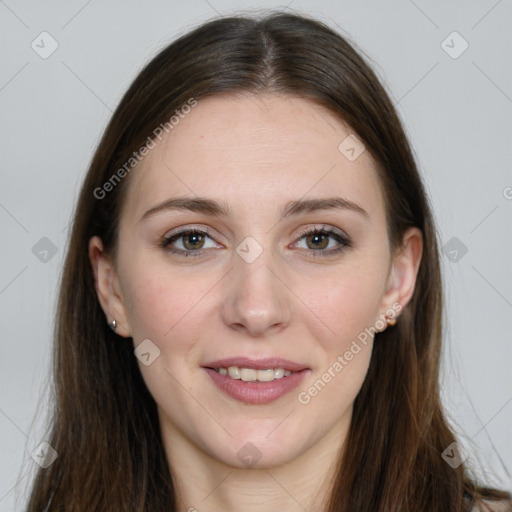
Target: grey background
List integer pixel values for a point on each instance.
(457, 113)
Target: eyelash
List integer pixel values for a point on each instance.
(343, 240)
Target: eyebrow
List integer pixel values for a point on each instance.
(222, 209)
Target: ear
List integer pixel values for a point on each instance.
(107, 287)
(402, 276)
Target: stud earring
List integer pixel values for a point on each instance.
(391, 321)
(113, 324)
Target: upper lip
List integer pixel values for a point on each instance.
(256, 364)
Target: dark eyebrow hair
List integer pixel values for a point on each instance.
(326, 203)
(222, 209)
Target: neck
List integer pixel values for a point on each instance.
(202, 482)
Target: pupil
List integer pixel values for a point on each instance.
(318, 238)
(193, 240)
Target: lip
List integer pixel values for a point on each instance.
(257, 393)
(257, 364)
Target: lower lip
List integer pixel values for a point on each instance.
(256, 392)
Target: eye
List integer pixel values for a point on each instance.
(193, 241)
(188, 242)
(324, 241)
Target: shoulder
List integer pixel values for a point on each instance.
(493, 506)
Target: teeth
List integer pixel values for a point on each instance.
(234, 372)
(264, 375)
(279, 373)
(252, 375)
(248, 375)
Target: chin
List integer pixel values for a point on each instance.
(257, 449)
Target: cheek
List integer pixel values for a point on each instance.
(342, 305)
(348, 309)
(165, 305)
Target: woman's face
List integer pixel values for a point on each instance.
(251, 282)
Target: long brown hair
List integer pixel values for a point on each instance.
(104, 424)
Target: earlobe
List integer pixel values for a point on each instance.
(404, 271)
(107, 289)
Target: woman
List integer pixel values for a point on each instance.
(250, 310)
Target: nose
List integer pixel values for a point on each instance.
(256, 302)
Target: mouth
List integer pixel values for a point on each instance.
(256, 381)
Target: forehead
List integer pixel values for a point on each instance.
(254, 151)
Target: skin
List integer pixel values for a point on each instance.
(255, 153)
